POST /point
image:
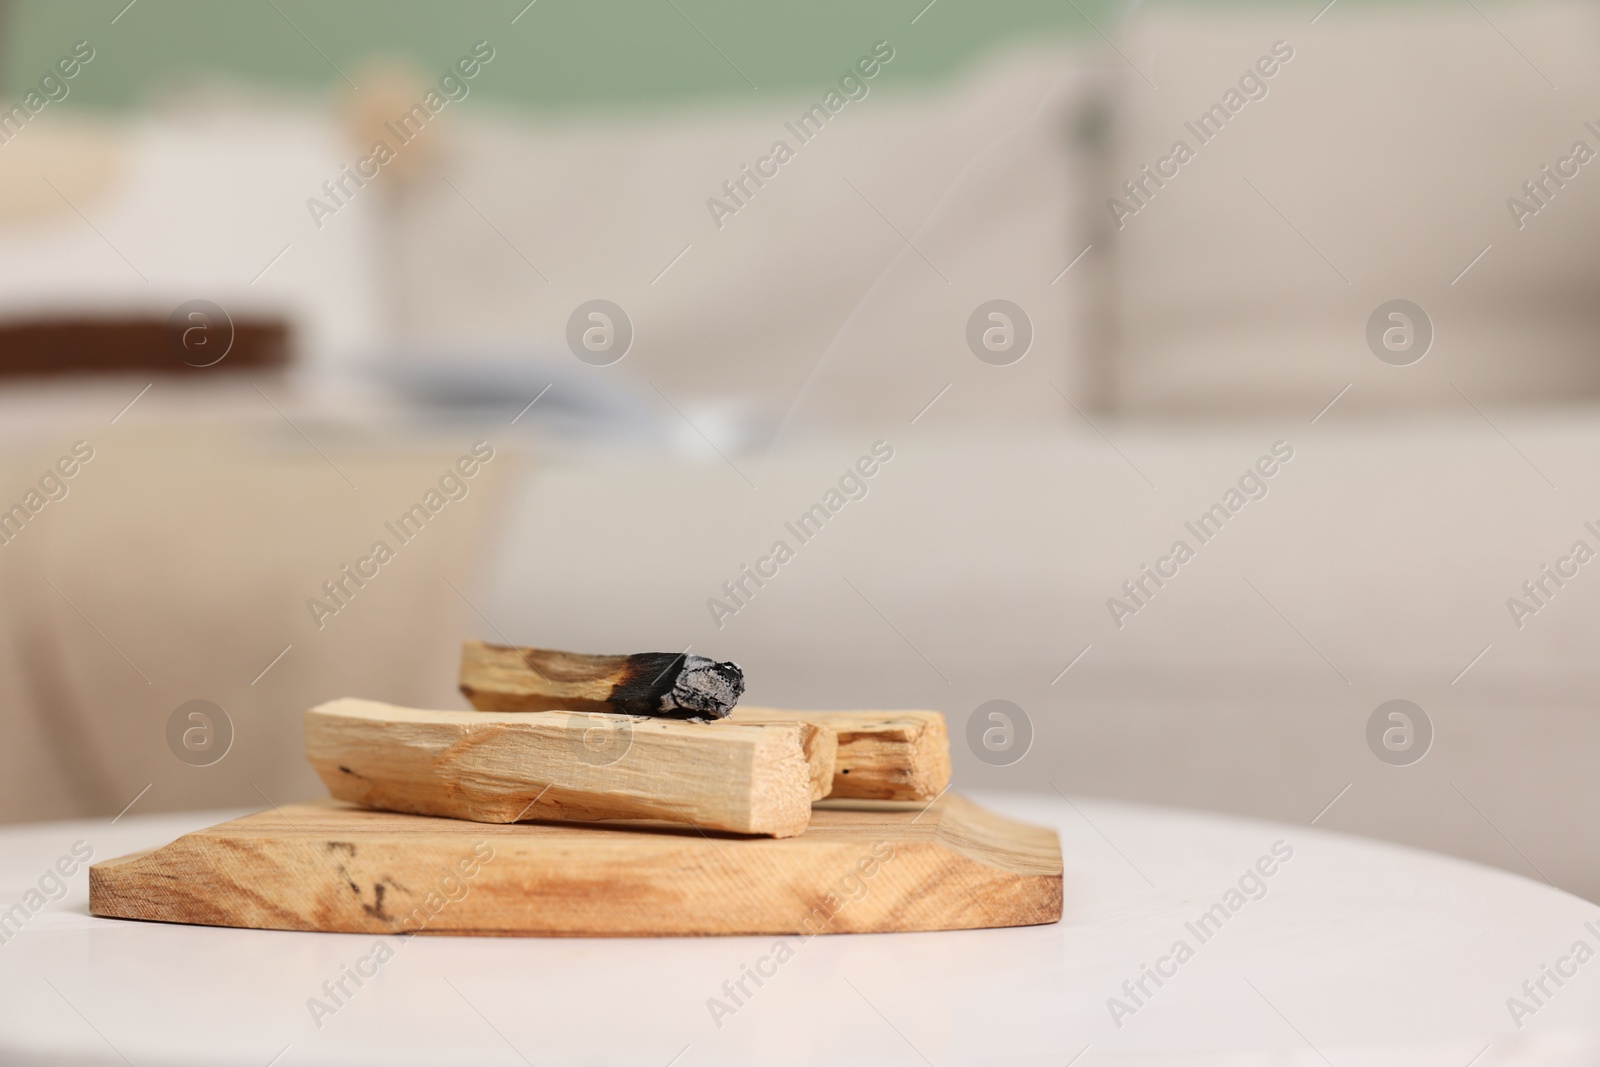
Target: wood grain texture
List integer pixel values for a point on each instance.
(860, 868)
(882, 755)
(506, 678)
(820, 742)
(499, 767)
(675, 685)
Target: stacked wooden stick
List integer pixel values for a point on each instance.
(633, 797)
(610, 738)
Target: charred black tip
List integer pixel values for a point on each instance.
(706, 687)
(679, 686)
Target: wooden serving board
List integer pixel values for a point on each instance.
(861, 867)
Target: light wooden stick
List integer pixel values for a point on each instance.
(505, 678)
(820, 741)
(583, 767)
(882, 755)
(668, 684)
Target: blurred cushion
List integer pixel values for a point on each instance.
(842, 285)
(1378, 166)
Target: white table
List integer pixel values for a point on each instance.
(1358, 953)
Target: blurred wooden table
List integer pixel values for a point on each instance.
(1349, 952)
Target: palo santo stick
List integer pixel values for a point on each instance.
(820, 742)
(883, 755)
(574, 766)
(667, 684)
(506, 678)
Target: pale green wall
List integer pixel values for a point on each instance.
(559, 54)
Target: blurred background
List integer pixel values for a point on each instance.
(271, 337)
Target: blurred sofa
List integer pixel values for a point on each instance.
(178, 565)
(1169, 354)
(1379, 163)
(1210, 327)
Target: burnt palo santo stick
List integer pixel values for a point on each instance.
(670, 685)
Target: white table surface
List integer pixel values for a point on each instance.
(1359, 953)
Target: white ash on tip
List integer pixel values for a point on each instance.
(706, 686)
